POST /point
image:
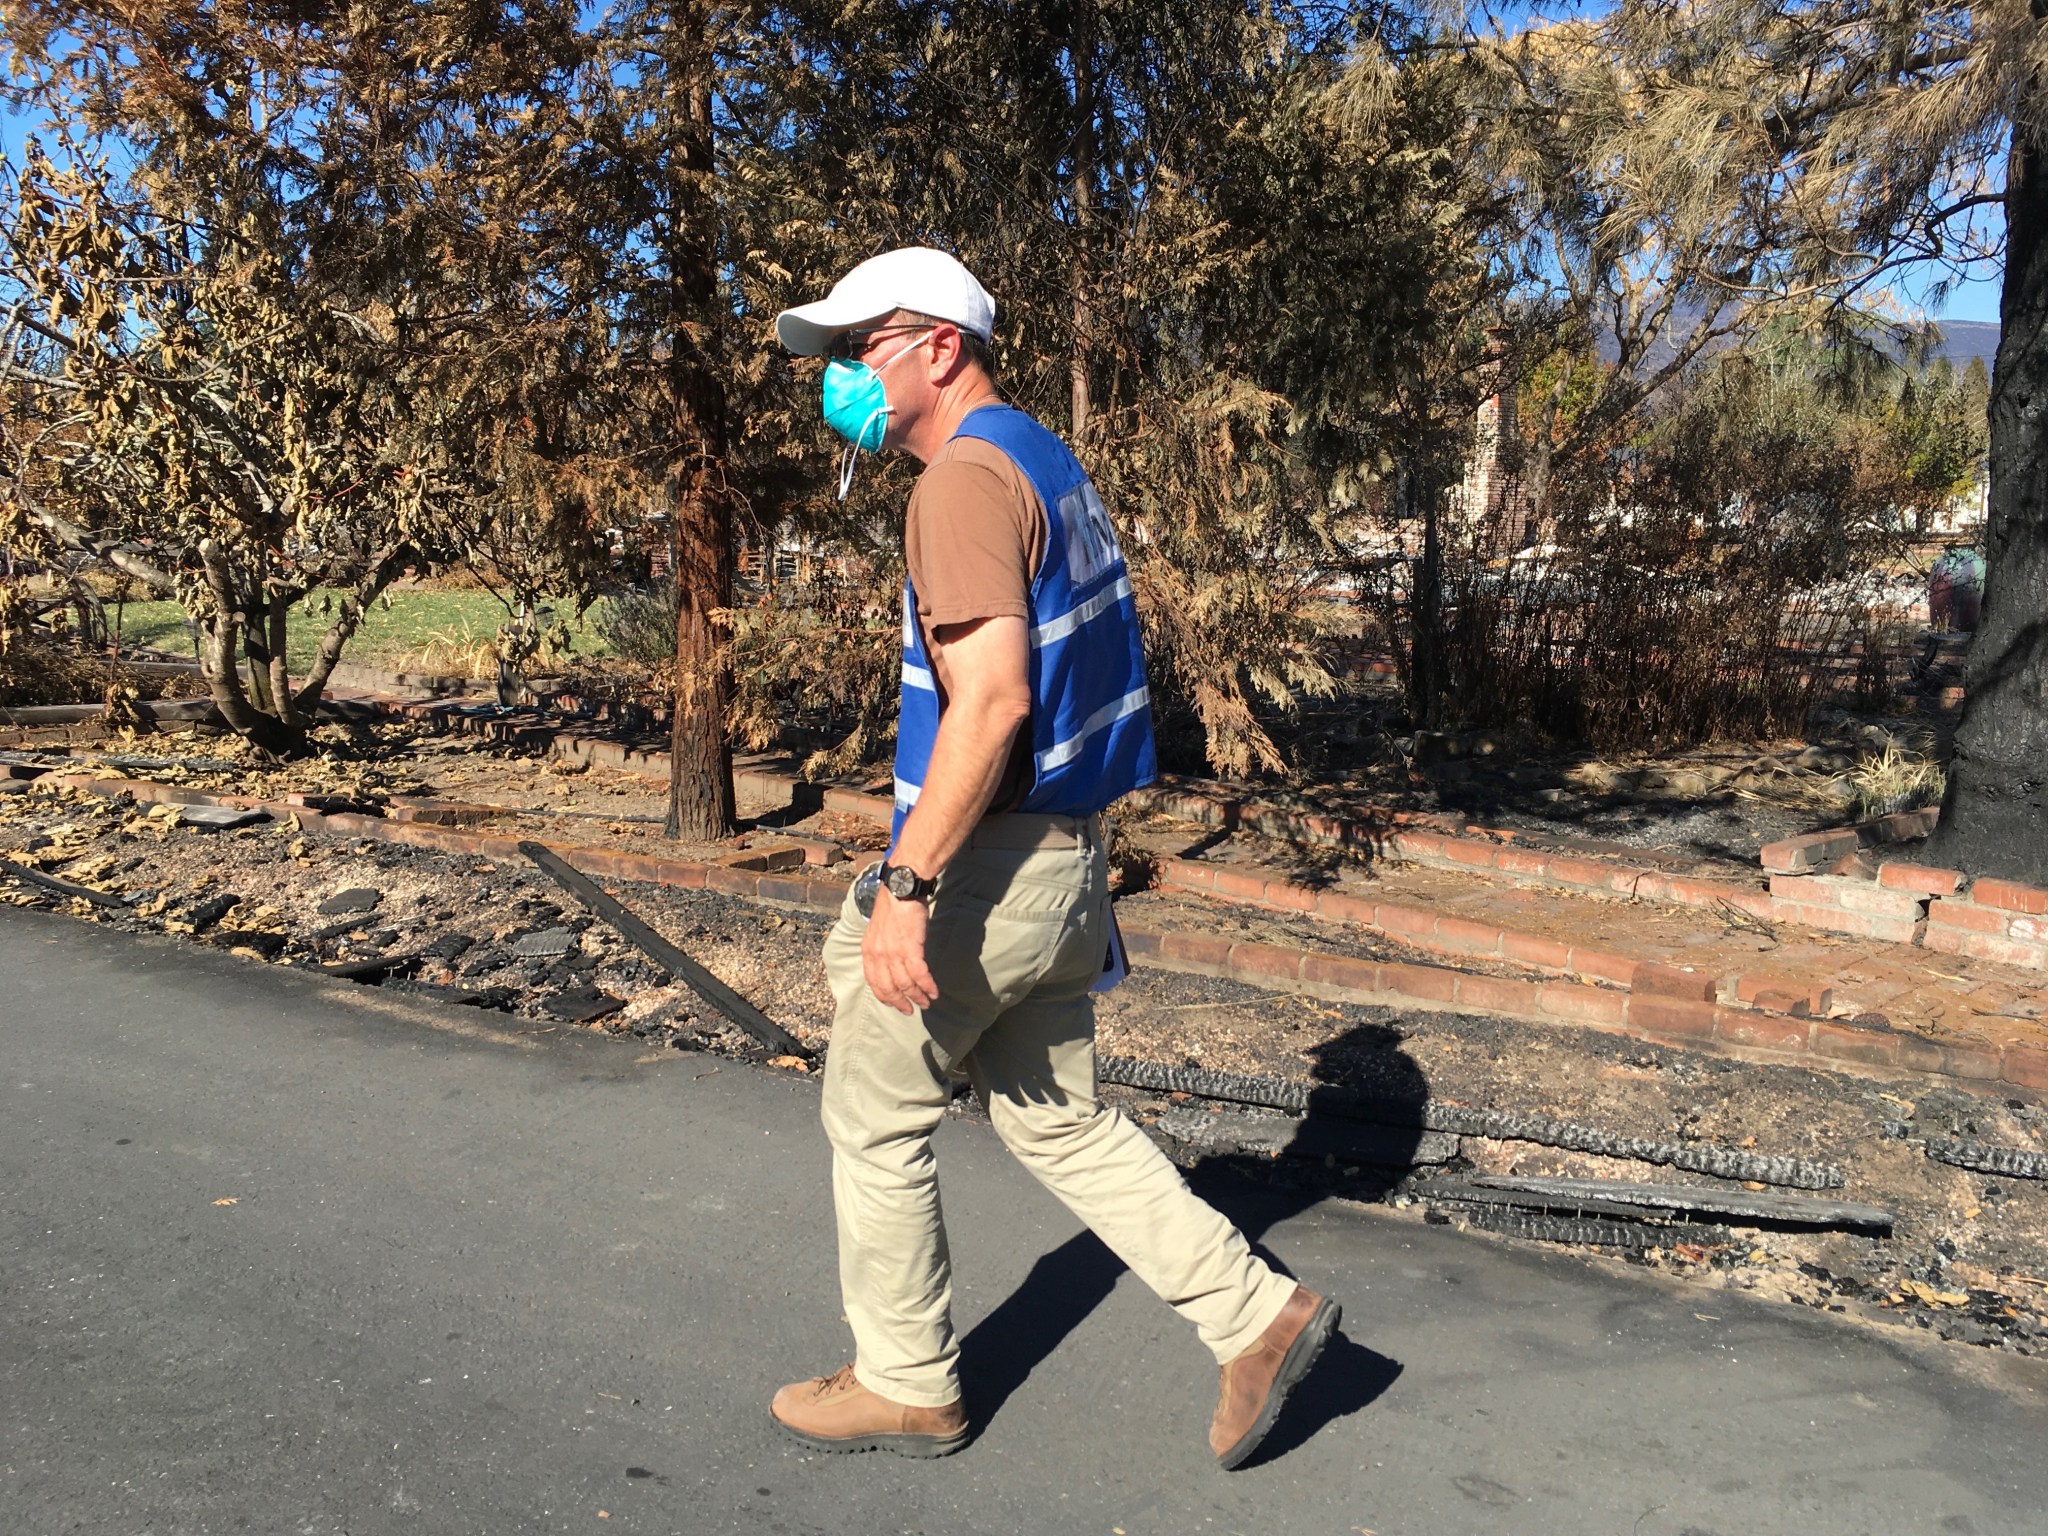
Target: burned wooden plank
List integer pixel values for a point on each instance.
(60, 887)
(1607, 1194)
(374, 969)
(1581, 1231)
(1464, 1192)
(667, 955)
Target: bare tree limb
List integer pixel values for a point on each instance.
(123, 557)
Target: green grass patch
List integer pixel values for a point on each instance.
(424, 630)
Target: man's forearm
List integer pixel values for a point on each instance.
(968, 758)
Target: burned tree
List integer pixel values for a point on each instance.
(1822, 146)
(244, 425)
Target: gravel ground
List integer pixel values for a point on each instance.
(1969, 1256)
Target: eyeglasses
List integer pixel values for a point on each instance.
(848, 345)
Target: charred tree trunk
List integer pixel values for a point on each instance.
(700, 790)
(280, 665)
(256, 646)
(1995, 818)
(1425, 669)
(1081, 51)
(383, 571)
(219, 665)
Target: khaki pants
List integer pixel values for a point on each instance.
(1018, 933)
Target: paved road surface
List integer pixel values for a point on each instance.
(472, 1282)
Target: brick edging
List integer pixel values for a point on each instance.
(1439, 932)
(1750, 1034)
(1679, 1021)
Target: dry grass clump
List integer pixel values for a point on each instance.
(456, 650)
(1897, 780)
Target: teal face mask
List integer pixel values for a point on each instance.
(857, 408)
(856, 405)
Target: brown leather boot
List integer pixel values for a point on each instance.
(837, 1413)
(1257, 1382)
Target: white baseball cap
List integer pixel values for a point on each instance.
(915, 277)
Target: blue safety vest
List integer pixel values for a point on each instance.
(1091, 715)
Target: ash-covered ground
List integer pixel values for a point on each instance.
(1968, 1256)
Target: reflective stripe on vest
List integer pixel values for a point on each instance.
(1091, 716)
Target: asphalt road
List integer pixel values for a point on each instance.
(279, 1256)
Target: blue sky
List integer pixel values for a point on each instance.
(1974, 299)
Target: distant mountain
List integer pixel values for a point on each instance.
(1962, 340)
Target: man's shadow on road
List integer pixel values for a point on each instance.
(999, 1354)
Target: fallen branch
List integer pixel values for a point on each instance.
(666, 955)
(60, 887)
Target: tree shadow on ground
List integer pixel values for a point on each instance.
(1257, 1192)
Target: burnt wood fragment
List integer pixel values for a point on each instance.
(581, 1005)
(59, 887)
(210, 911)
(667, 955)
(374, 969)
(1982, 1157)
(1606, 1196)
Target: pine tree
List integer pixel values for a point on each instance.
(1213, 267)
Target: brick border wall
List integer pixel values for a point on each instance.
(1827, 1044)
(1811, 850)
(1812, 893)
(1669, 1020)
(1426, 928)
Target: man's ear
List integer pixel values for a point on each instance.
(948, 354)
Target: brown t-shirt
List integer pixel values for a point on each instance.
(974, 537)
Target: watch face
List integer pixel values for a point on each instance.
(902, 883)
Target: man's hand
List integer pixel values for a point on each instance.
(892, 954)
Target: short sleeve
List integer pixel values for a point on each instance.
(973, 536)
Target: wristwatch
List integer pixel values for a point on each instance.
(905, 884)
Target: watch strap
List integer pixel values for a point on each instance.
(920, 888)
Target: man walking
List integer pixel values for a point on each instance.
(977, 941)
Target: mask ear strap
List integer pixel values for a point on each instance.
(848, 459)
(846, 466)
